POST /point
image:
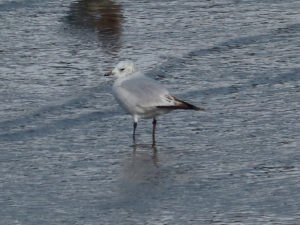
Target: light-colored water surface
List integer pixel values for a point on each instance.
(66, 151)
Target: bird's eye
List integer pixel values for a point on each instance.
(122, 69)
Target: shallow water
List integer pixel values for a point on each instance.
(67, 155)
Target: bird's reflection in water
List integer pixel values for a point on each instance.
(143, 179)
(152, 148)
(102, 16)
(142, 165)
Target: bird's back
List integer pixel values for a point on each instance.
(138, 94)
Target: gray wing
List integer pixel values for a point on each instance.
(146, 92)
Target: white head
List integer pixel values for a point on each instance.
(123, 69)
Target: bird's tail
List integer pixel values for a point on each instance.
(179, 104)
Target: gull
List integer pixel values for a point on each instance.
(143, 97)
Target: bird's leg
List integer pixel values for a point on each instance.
(153, 131)
(136, 119)
(134, 128)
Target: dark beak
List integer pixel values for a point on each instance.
(108, 74)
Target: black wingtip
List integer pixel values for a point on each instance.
(198, 108)
(186, 105)
(183, 105)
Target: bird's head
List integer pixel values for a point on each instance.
(123, 69)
